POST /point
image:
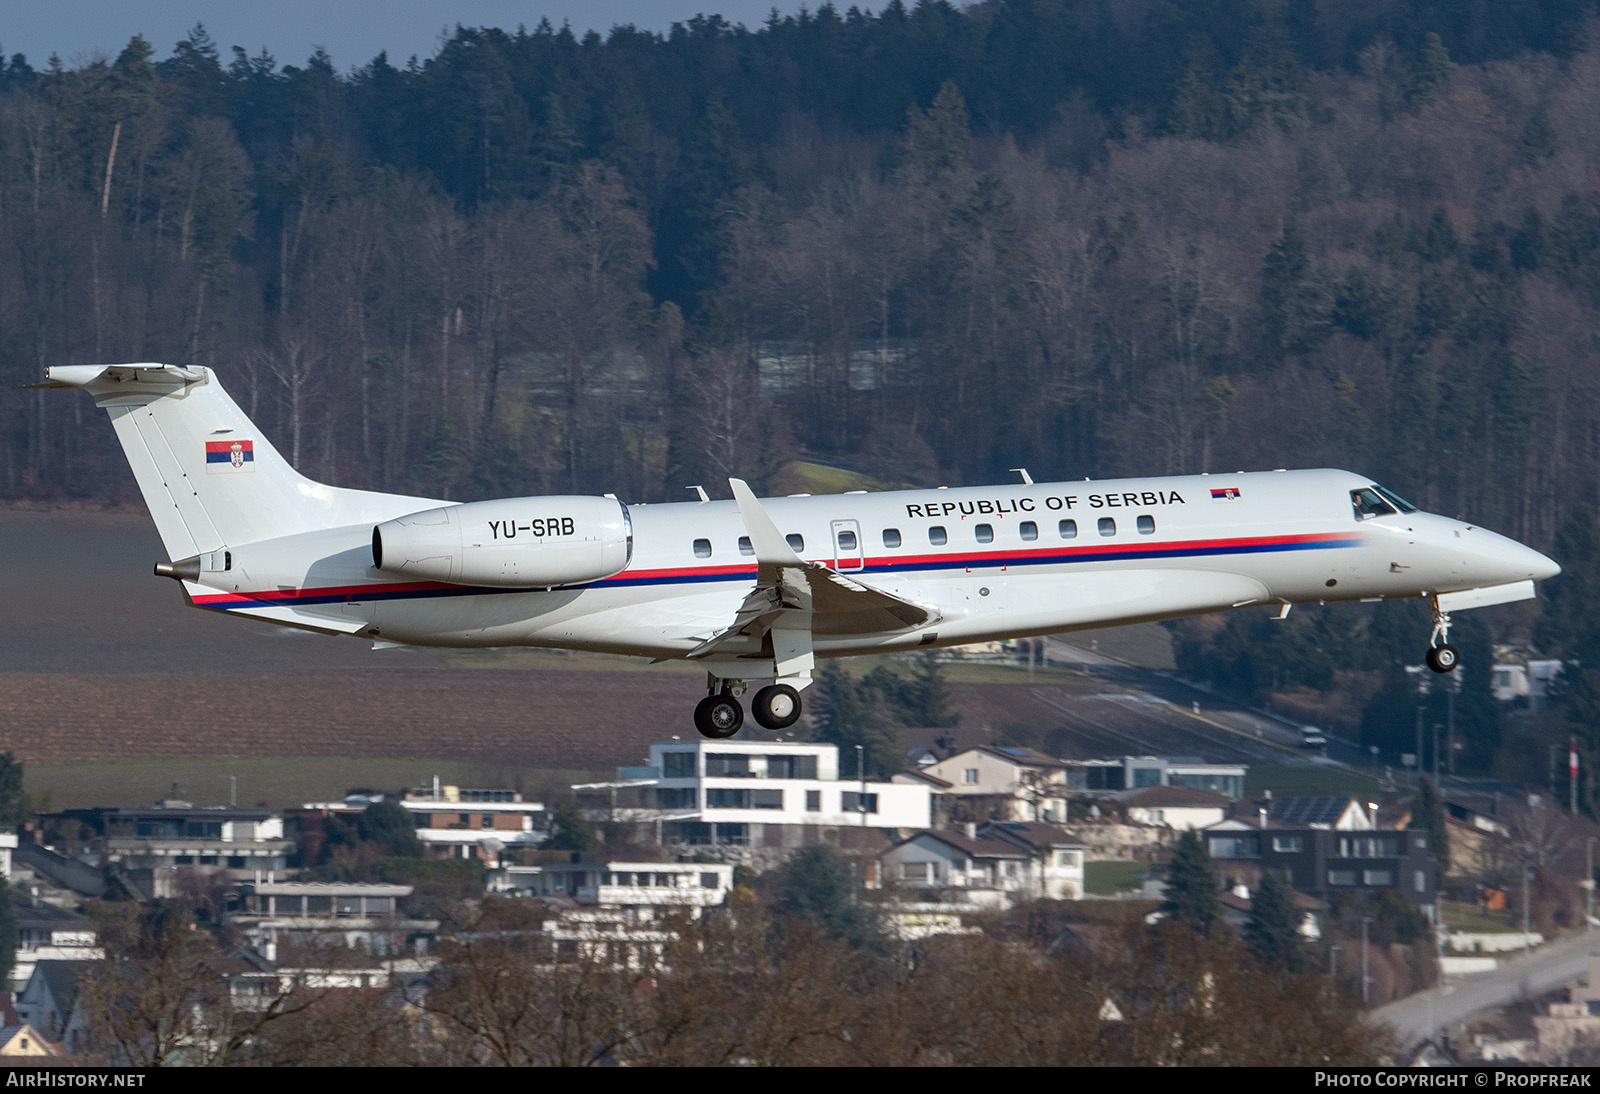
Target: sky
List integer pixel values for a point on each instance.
(352, 31)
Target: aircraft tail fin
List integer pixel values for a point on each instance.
(210, 478)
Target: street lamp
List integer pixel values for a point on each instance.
(1588, 887)
(1366, 980)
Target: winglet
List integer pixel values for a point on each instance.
(771, 547)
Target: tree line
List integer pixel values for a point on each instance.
(1094, 238)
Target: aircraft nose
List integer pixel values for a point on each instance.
(1541, 566)
(1521, 562)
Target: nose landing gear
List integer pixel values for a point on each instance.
(1442, 656)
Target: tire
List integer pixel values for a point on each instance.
(1443, 658)
(718, 716)
(776, 706)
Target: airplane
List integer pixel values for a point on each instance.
(755, 590)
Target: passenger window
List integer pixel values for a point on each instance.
(1029, 530)
(985, 533)
(744, 546)
(1368, 504)
(936, 536)
(891, 537)
(1108, 527)
(847, 541)
(1069, 529)
(702, 548)
(796, 542)
(1147, 526)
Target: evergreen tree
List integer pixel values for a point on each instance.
(1272, 931)
(569, 831)
(818, 885)
(1427, 815)
(13, 802)
(389, 824)
(1192, 886)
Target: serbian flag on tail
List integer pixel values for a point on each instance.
(1227, 493)
(229, 457)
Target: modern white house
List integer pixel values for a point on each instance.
(752, 793)
(983, 870)
(459, 822)
(646, 886)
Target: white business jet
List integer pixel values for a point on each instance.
(756, 589)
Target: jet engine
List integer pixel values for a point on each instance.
(516, 543)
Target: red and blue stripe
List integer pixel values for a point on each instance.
(884, 564)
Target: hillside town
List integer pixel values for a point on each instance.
(381, 894)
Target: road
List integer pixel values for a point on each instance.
(1172, 718)
(1415, 1017)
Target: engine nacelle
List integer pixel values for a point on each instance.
(517, 542)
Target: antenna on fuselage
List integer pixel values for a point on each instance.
(1027, 479)
(700, 490)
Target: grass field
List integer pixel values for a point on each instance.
(1475, 919)
(1308, 780)
(1111, 878)
(280, 781)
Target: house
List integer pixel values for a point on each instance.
(1238, 901)
(708, 793)
(989, 871)
(1138, 772)
(1341, 814)
(1574, 1025)
(50, 1002)
(48, 933)
(1175, 807)
(362, 915)
(1058, 856)
(1325, 861)
(645, 888)
(994, 782)
(149, 844)
(452, 822)
(8, 844)
(24, 1040)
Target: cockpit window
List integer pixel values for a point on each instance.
(1369, 504)
(1394, 499)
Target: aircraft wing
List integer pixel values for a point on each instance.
(794, 599)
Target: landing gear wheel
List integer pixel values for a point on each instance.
(1443, 658)
(776, 706)
(718, 716)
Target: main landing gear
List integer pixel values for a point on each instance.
(1442, 656)
(719, 715)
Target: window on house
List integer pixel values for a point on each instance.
(1341, 877)
(1028, 530)
(813, 801)
(985, 533)
(937, 536)
(1108, 527)
(1068, 529)
(796, 542)
(891, 537)
(1288, 844)
(766, 799)
(914, 871)
(791, 767)
(1377, 877)
(677, 765)
(676, 797)
(745, 547)
(718, 798)
(708, 881)
(702, 548)
(852, 800)
(1147, 526)
(727, 764)
(969, 776)
(1420, 880)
